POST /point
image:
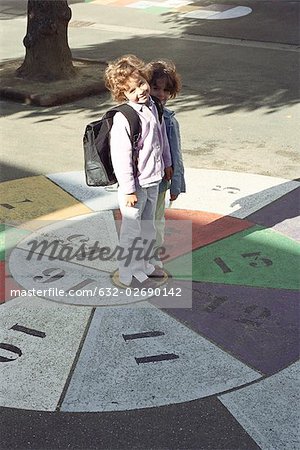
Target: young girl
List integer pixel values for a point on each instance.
(138, 183)
(164, 84)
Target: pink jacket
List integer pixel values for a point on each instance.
(153, 149)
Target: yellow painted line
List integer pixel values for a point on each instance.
(62, 214)
(33, 198)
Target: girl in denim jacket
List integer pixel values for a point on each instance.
(164, 84)
(138, 184)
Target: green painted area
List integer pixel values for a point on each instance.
(9, 237)
(254, 257)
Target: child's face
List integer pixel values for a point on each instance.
(160, 90)
(137, 89)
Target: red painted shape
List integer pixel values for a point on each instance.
(7, 283)
(206, 228)
(118, 219)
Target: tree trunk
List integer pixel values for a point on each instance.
(48, 56)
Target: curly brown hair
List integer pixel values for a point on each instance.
(119, 71)
(165, 69)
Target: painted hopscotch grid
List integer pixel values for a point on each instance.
(186, 8)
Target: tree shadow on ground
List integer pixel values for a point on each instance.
(10, 172)
(264, 23)
(92, 106)
(224, 78)
(227, 78)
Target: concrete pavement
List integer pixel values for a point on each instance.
(238, 109)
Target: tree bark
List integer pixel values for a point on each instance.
(48, 56)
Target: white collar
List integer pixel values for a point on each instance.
(139, 106)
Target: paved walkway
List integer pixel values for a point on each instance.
(239, 108)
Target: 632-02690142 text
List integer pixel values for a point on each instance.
(98, 292)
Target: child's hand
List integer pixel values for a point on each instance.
(173, 197)
(168, 173)
(130, 199)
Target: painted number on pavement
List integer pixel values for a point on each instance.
(15, 351)
(10, 206)
(151, 358)
(254, 260)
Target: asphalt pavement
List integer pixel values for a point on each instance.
(238, 109)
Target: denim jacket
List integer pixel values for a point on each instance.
(177, 184)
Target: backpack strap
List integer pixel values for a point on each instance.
(159, 107)
(133, 120)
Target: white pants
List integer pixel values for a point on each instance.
(137, 235)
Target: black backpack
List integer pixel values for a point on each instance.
(96, 143)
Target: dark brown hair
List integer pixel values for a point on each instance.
(165, 69)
